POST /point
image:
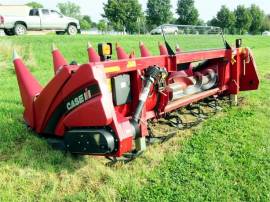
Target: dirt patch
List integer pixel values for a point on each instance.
(267, 76)
(6, 52)
(6, 49)
(242, 101)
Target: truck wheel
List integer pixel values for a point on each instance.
(60, 32)
(9, 32)
(20, 29)
(72, 30)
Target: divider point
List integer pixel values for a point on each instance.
(15, 55)
(54, 47)
(89, 45)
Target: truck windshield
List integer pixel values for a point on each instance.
(45, 11)
(55, 13)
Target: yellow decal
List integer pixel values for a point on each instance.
(106, 49)
(112, 69)
(233, 60)
(131, 64)
(109, 83)
(234, 53)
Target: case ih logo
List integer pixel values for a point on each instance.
(82, 97)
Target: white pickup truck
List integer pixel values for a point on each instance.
(39, 19)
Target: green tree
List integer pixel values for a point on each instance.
(200, 22)
(173, 20)
(243, 19)
(266, 24)
(85, 25)
(257, 19)
(225, 18)
(94, 24)
(213, 22)
(88, 19)
(86, 22)
(70, 9)
(158, 13)
(34, 4)
(188, 14)
(123, 15)
(102, 26)
(141, 24)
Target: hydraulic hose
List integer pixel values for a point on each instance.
(142, 100)
(153, 74)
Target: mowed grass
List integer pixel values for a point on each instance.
(226, 158)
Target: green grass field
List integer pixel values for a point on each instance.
(226, 158)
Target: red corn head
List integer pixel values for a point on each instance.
(29, 88)
(177, 48)
(144, 51)
(121, 54)
(58, 59)
(92, 54)
(162, 49)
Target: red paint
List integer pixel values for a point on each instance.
(92, 54)
(247, 79)
(163, 50)
(144, 51)
(43, 102)
(58, 60)
(121, 54)
(29, 89)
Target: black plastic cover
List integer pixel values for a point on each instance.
(90, 141)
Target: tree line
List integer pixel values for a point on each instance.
(242, 20)
(128, 16)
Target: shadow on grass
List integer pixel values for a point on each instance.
(267, 76)
(23, 148)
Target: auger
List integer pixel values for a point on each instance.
(103, 107)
